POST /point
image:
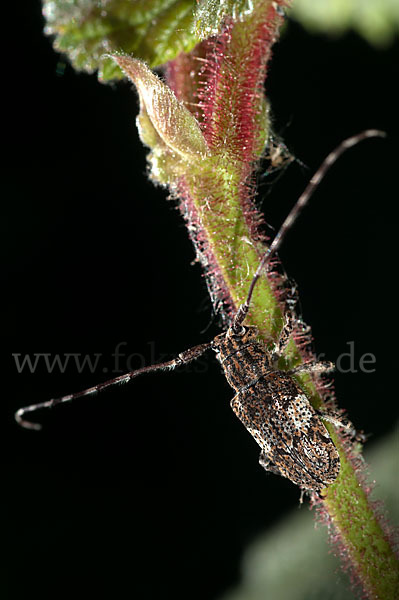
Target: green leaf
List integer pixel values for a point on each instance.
(376, 21)
(155, 31)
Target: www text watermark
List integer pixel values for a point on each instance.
(121, 362)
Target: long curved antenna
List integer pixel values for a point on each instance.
(182, 359)
(294, 213)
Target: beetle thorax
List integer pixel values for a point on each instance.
(243, 357)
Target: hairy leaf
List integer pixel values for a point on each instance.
(153, 30)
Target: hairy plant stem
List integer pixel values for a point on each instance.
(205, 146)
(206, 140)
(215, 201)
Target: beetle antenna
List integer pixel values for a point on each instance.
(294, 213)
(182, 359)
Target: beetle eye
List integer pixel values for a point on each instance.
(238, 333)
(214, 344)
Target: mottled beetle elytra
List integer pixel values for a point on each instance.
(270, 403)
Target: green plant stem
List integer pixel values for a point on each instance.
(216, 191)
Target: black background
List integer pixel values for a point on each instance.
(151, 488)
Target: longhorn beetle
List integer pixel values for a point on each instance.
(293, 439)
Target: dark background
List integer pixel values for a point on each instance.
(155, 488)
